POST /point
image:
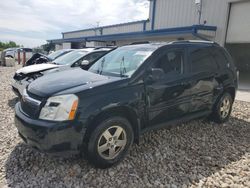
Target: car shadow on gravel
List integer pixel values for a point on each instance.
(12, 102)
(181, 155)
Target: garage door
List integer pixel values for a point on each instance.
(239, 23)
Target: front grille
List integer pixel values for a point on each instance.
(30, 106)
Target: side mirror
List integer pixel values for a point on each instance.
(85, 63)
(156, 74)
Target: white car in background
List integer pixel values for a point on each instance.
(83, 58)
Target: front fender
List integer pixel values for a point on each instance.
(130, 97)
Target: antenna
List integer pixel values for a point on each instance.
(198, 4)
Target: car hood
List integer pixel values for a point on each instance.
(50, 84)
(36, 68)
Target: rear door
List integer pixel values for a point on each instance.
(204, 72)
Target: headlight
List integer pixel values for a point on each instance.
(60, 108)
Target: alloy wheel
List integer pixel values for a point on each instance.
(112, 142)
(225, 107)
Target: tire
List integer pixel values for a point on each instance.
(221, 114)
(114, 145)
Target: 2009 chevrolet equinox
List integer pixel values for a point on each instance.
(129, 91)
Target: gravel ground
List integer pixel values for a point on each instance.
(194, 154)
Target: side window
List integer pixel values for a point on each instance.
(202, 61)
(93, 57)
(220, 57)
(171, 62)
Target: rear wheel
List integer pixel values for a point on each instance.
(109, 142)
(223, 108)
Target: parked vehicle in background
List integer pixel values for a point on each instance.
(83, 58)
(10, 52)
(13, 53)
(28, 54)
(129, 91)
(39, 58)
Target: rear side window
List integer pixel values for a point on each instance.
(27, 50)
(220, 57)
(94, 56)
(202, 61)
(171, 62)
(223, 58)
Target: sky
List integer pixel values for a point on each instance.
(32, 22)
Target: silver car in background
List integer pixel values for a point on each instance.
(83, 58)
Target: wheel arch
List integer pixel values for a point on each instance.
(231, 90)
(122, 111)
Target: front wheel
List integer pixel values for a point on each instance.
(109, 142)
(223, 108)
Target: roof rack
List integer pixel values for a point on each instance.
(194, 41)
(100, 47)
(142, 42)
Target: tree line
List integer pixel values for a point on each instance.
(10, 44)
(43, 48)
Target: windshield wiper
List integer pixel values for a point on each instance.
(99, 71)
(122, 68)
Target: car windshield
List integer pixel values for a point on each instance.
(122, 62)
(56, 54)
(70, 58)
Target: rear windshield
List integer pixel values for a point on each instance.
(56, 54)
(70, 58)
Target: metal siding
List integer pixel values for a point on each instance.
(106, 30)
(179, 13)
(216, 13)
(239, 23)
(66, 45)
(174, 13)
(79, 34)
(123, 29)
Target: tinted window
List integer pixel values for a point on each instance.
(171, 62)
(220, 57)
(201, 60)
(27, 49)
(70, 57)
(93, 56)
(57, 54)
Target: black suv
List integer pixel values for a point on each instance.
(129, 91)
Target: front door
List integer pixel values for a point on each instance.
(168, 97)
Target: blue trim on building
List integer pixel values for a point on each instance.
(193, 30)
(153, 15)
(102, 27)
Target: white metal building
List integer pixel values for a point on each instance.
(224, 21)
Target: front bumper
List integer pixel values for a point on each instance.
(49, 136)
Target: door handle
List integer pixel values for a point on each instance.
(219, 88)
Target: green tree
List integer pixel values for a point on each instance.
(10, 44)
(48, 47)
